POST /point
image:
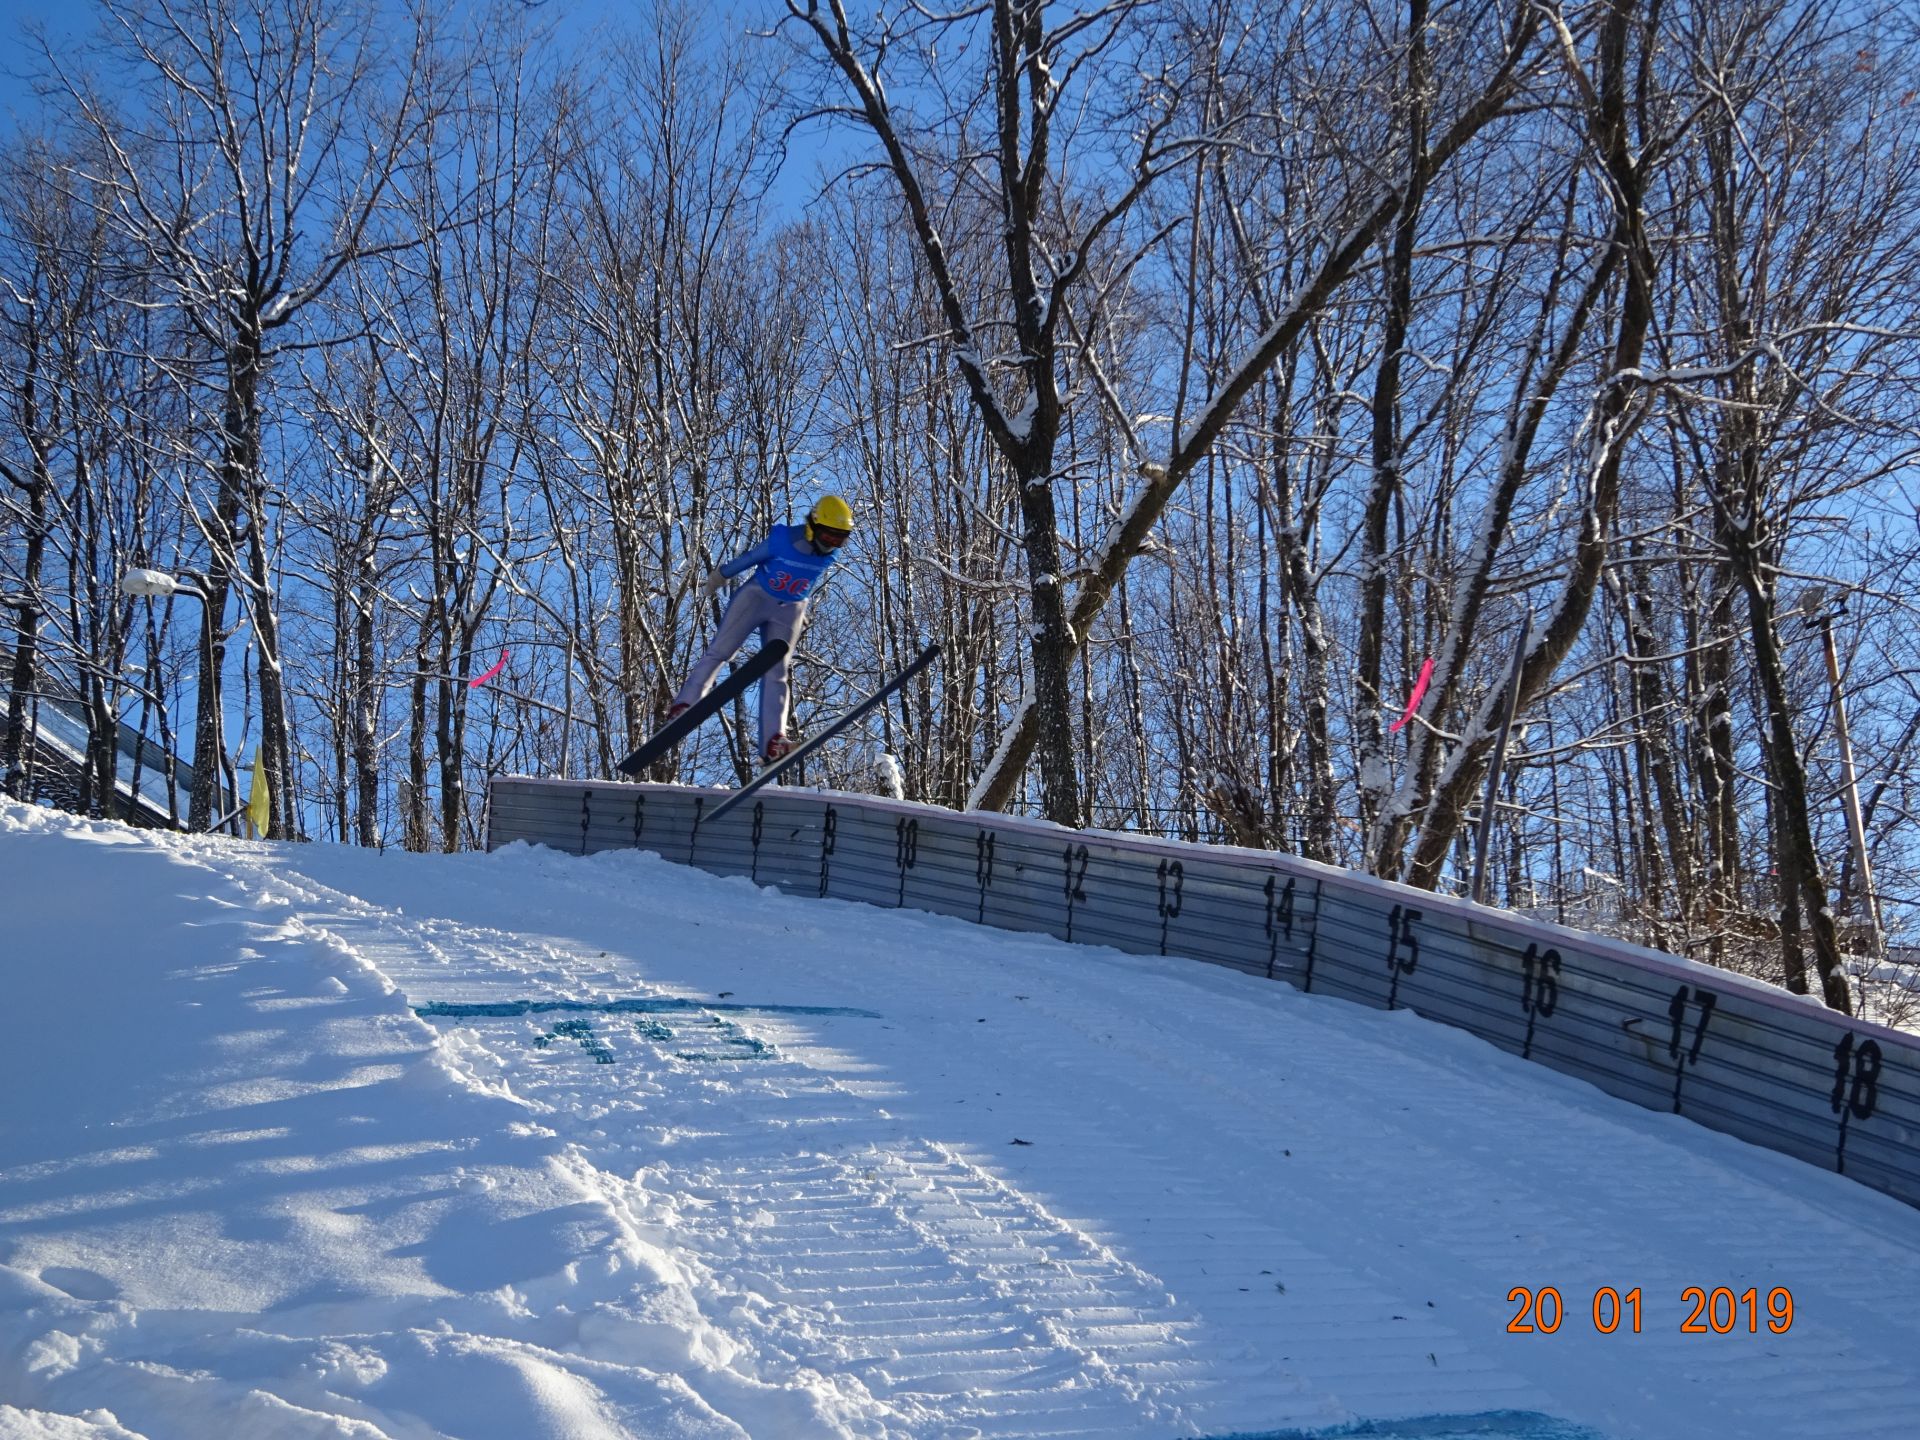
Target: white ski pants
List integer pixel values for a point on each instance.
(751, 609)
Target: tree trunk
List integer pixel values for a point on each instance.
(413, 798)
(365, 700)
(1370, 643)
(1713, 758)
(276, 743)
(26, 636)
(1607, 123)
(1739, 494)
(240, 475)
(239, 469)
(1656, 750)
(1786, 894)
(1800, 868)
(1051, 648)
(210, 771)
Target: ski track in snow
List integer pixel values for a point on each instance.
(1034, 1190)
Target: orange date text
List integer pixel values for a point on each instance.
(1720, 1310)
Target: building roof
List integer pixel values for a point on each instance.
(57, 721)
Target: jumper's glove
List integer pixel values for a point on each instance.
(710, 586)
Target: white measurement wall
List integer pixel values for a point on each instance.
(1724, 1051)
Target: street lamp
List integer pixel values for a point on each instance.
(152, 583)
(158, 584)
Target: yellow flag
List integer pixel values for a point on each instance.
(259, 808)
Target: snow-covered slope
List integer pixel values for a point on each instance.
(308, 1141)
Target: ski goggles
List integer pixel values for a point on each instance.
(828, 536)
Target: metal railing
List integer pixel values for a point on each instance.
(1727, 1052)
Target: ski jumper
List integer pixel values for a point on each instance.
(774, 605)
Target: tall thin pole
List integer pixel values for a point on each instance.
(1499, 761)
(1850, 785)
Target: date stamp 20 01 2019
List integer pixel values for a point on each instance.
(1719, 1311)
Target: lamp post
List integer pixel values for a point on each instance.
(1823, 617)
(208, 747)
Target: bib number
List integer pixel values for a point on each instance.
(785, 582)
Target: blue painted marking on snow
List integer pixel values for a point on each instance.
(725, 1032)
(704, 1056)
(740, 1045)
(579, 1030)
(504, 1009)
(1493, 1425)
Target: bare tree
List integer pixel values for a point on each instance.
(36, 306)
(351, 511)
(287, 119)
(81, 493)
(1491, 58)
(1048, 239)
(1802, 331)
(1612, 89)
(664, 339)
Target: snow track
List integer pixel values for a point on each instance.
(832, 1255)
(669, 1155)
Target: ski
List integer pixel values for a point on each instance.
(812, 743)
(705, 708)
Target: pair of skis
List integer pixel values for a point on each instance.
(705, 708)
(763, 660)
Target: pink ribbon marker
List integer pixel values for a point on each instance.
(1419, 689)
(501, 664)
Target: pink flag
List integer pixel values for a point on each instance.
(1419, 689)
(501, 664)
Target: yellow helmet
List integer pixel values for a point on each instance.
(830, 520)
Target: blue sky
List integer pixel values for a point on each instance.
(20, 59)
(70, 22)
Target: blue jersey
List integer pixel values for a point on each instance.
(786, 571)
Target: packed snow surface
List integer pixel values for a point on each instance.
(308, 1141)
